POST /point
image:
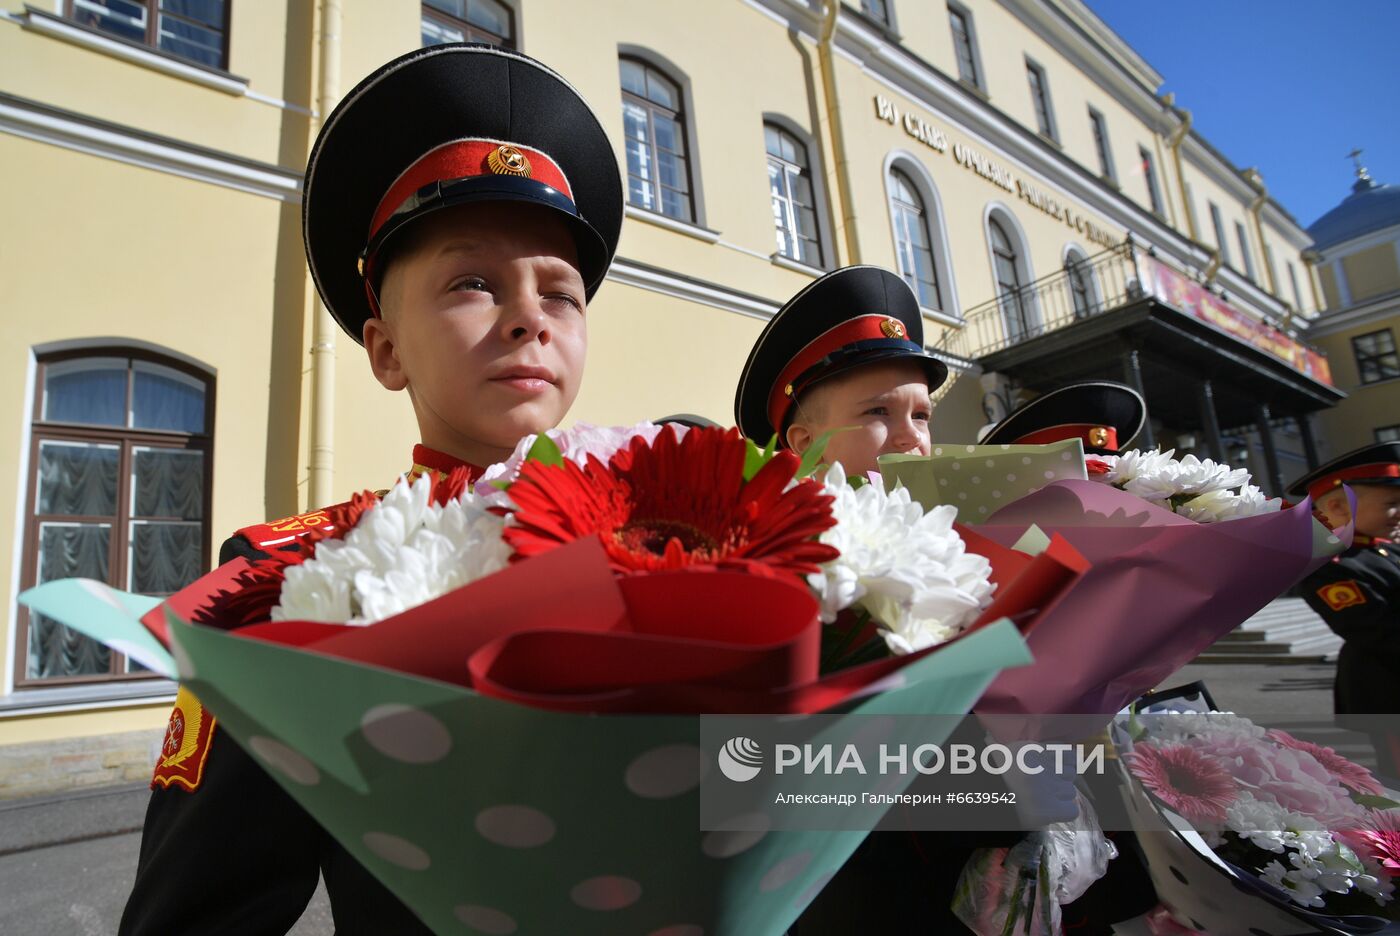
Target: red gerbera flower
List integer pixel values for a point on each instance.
(1345, 772)
(1185, 779)
(1379, 841)
(675, 503)
(1096, 466)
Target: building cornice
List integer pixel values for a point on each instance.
(43, 123)
(922, 83)
(1371, 311)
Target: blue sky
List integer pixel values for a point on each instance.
(1286, 85)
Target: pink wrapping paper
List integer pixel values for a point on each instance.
(1160, 589)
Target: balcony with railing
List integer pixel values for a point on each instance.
(1083, 289)
(1094, 296)
(1203, 361)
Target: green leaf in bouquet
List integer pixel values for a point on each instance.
(545, 451)
(107, 615)
(755, 458)
(1372, 801)
(981, 479)
(812, 458)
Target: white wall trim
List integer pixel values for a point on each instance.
(26, 425)
(671, 224)
(1371, 311)
(45, 26)
(58, 28)
(796, 266)
(668, 283)
(113, 141)
(89, 698)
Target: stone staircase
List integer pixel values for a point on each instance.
(1285, 630)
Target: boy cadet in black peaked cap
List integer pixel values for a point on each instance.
(1106, 416)
(1358, 592)
(845, 353)
(461, 207)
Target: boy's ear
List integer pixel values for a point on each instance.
(383, 355)
(799, 438)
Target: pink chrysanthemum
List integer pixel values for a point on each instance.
(1185, 779)
(1348, 774)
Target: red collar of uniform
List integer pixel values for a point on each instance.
(428, 459)
(1361, 540)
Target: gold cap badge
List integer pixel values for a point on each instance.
(892, 328)
(507, 160)
(1098, 436)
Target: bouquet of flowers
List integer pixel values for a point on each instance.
(1163, 583)
(427, 678)
(1197, 489)
(1286, 820)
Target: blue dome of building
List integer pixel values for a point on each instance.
(1369, 207)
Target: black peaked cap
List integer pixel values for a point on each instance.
(822, 305)
(432, 96)
(1088, 402)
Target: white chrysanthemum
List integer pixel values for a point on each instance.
(1218, 506)
(404, 551)
(1269, 826)
(577, 443)
(1168, 726)
(909, 569)
(1133, 464)
(1198, 489)
(1186, 477)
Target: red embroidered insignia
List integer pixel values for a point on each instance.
(1339, 595)
(186, 746)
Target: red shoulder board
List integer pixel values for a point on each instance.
(288, 529)
(186, 746)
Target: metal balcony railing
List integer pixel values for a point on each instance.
(1085, 288)
(1091, 286)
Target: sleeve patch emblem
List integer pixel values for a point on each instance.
(1339, 595)
(186, 745)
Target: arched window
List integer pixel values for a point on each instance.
(912, 242)
(658, 160)
(1079, 281)
(468, 21)
(793, 195)
(119, 472)
(1007, 266)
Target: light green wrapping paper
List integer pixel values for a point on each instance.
(981, 479)
(490, 817)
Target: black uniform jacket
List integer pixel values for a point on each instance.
(237, 855)
(1358, 595)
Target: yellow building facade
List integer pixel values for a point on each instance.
(167, 380)
(1357, 255)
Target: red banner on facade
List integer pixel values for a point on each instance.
(1195, 300)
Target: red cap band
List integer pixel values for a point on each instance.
(862, 328)
(1372, 472)
(465, 159)
(453, 162)
(1092, 435)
